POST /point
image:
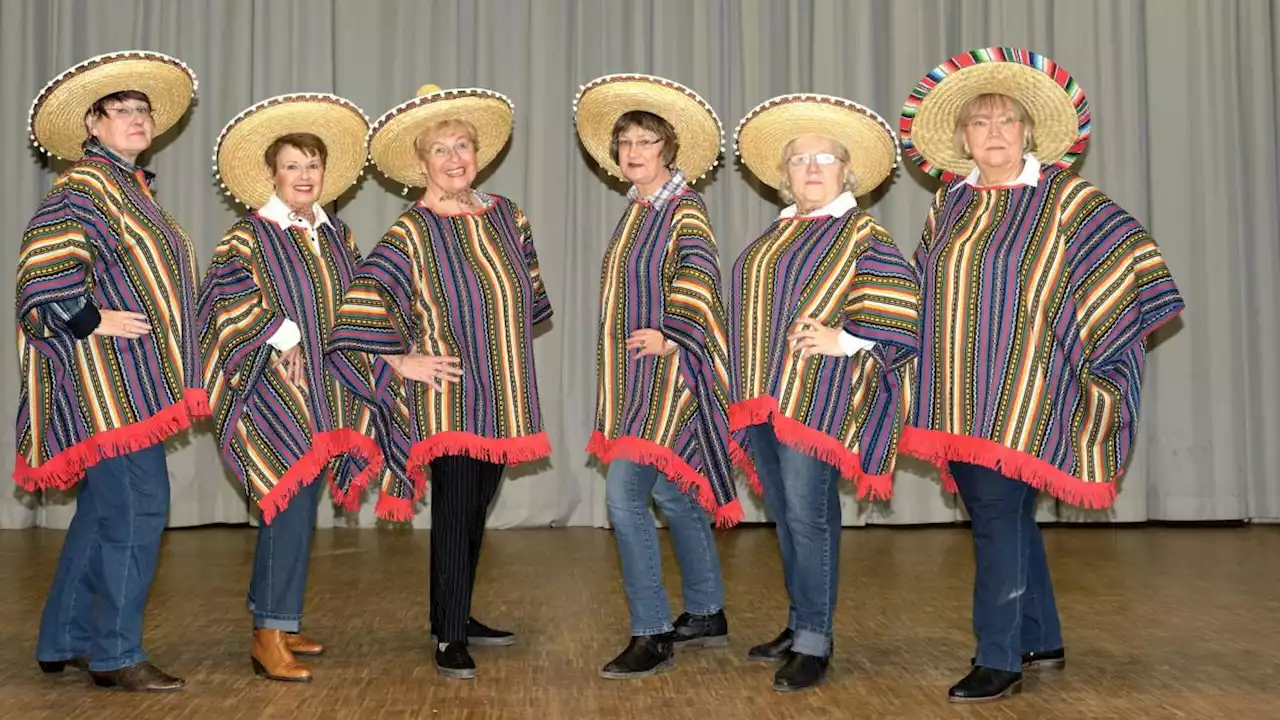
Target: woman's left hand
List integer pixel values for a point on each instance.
(293, 363)
(650, 342)
(810, 337)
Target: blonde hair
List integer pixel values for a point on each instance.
(994, 101)
(422, 143)
(850, 183)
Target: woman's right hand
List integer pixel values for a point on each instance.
(120, 323)
(434, 370)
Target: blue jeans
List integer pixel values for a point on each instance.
(280, 564)
(1013, 607)
(802, 495)
(108, 561)
(628, 487)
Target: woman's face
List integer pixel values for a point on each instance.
(450, 162)
(640, 157)
(299, 177)
(815, 171)
(126, 129)
(994, 137)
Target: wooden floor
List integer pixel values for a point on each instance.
(1160, 623)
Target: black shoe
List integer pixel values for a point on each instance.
(481, 635)
(776, 650)
(57, 666)
(984, 684)
(453, 661)
(1048, 660)
(646, 655)
(800, 671)
(699, 631)
(139, 677)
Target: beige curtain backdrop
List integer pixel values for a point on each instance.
(1184, 119)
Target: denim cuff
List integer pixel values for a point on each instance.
(271, 623)
(808, 642)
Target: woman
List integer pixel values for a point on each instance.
(825, 334)
(106, 305)
(662, 423)
(1042, 287)
(449, 297)
(267, 306)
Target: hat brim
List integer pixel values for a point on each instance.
(1055, 102)
(57, 113)
(392, 137)
(765, 131)
(239, 153)
(602, 101)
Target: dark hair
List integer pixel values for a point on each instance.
(309, 144)
(646, 121)
(99, 108)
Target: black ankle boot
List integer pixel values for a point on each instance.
(984, 684)
(698, 631)
(453, 661)
(776, 650)
(646, 655)
(800, 671)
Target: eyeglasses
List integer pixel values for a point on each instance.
(641, 144)
(805, 159)
(128, 112)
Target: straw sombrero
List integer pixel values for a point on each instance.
(766, 130)
(392, 136)
(56, 120)
(602, 101)
(1052, 97)
(238, 153)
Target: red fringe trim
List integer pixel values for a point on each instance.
(393, 508)
(797, 435)
(674, 467)
(324, 448)
(505, 451)
(940, 448)
(65, 469)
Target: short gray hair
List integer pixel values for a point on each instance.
(850, 183)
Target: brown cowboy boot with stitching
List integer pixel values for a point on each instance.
(271, 657)
(302, 645)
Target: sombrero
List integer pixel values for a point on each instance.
(1052, 97)
(56, 119)
(602, 101)
(766, 130)
(238, 153)
(392, 136)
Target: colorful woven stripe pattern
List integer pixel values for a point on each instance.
(1036, 303)
(99, 234)
(662, 272)
(846, 411)
(466, 286)
(275, 436)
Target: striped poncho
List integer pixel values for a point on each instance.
(275, 436)
(466, 286)
(662, 272)
(847, 411)
(1037, 301)
(100, 238)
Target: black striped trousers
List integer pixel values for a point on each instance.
(461, 490)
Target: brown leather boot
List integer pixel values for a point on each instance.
(271, 657)
(302, 645)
